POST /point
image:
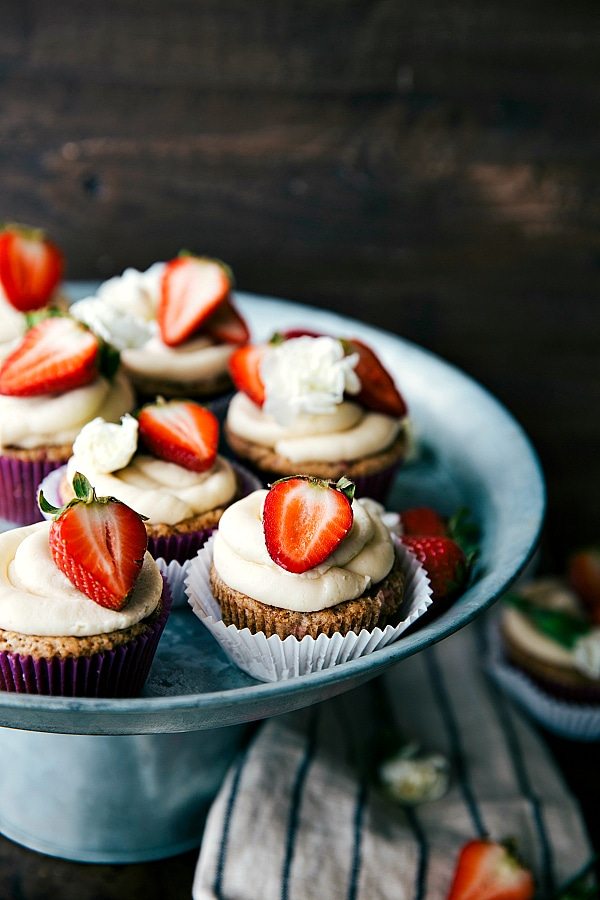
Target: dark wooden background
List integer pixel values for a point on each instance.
(431, 166)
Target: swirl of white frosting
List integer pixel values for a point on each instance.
(162, 491)
(307, 375)
(104, 446)
(37, 598)
(12, 322)
(348, 433)
(191, 361)
(364, 557)
(54, 419)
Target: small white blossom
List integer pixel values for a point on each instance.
(105, 447)
(307, 375)
(412, 779)
(112, 325)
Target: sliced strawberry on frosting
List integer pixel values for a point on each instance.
(192, 289)
(98, 543)
(378, 391)
(58, 354)
(227, 326)
(244, 368)
(181, 432)
(487, 870)
(31, 267)
(305, 519)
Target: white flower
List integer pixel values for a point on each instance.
(586, 654)
(307, 375)
(105, 447)
(112, 325)
(134, 293)
(414, 779)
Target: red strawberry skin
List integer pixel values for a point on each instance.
(56, 355)
(422, 520)
(488, 871)
(100, 547)
(180, 432)
(443, 560)
(227, 326)
(244, 368)
(378, 391)
(584, 575)
(192, 289)
(304, 520)
(31, 267)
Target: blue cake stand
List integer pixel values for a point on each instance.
(130, 780)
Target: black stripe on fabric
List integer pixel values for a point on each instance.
(507, 727)
(296, 800)
(444, 703)
(421, 878)
(235, 784)
(359, 812)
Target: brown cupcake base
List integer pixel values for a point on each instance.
(148, 388)
(267, 462)
(377, 608)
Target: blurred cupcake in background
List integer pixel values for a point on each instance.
(175, 325)
(57, 378)
(320, 406)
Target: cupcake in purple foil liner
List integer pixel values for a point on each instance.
(171, 543)
(20, 476)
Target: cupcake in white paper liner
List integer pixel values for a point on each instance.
(577, 721)
(274, 659)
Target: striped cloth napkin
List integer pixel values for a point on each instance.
(298, 818)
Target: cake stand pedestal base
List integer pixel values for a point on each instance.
(119, 799)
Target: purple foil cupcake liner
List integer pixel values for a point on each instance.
(178, 547)
(111, 673)
(19, 482)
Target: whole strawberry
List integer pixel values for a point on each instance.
(443, 560)
(584, 575)
(422, 520)
(99, 543)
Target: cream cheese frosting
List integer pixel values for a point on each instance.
(37, 598)
(347, 433)
(162, 491)
(194, 360)
(54, 419)
(364, 557)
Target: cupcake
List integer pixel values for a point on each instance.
(547, 634)
(59, 377)
(317, 405)
(175, 324)
(165, 465)
(31, 268)
(82, 603)
(305, 558)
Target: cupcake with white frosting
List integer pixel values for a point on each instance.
(58, 377)
(175, 325)
(82, 603)
(164, 464)
(305, 558)
(318, 405)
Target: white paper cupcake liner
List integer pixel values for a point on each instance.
(577, 721)
(273, 659)
(175, 573)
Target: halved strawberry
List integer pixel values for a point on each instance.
(487, 870)
(58, 354)
(181, 432)
(192, 288)
(99, 543)
(305, 519)
(244, 368)
(227, 325)
(422, 520)
(31, 267)
(378, 391)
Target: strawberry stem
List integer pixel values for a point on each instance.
(347, 488)
(83, 489)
